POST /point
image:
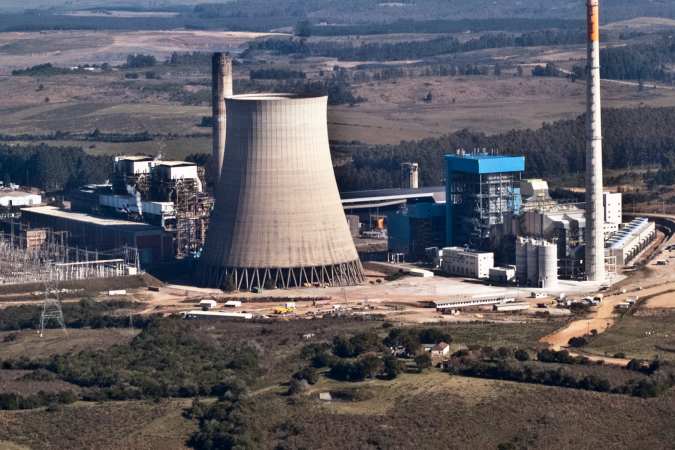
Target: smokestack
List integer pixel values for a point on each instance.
(595, 242)
(222, 87)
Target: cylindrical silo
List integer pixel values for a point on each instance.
(521, 261)
(278, 213)
(548, 265)
(533, 263)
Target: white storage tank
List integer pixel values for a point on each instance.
(521, 261)
(533, 263)
(548, 265)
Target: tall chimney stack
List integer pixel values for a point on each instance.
(222, 87)
(595, 241)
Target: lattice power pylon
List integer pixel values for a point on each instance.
(366, 309)
(343, 295)
(52, 307)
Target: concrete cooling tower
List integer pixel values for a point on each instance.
(278, 213)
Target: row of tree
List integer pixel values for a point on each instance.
(639, 62)
(415, 49)
(631, 138)
(51, 168)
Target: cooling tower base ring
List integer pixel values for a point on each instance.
(247, 278)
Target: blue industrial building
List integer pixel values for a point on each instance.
(416, 228)
(481, 192)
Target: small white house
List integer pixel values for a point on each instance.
(289, 305)
(440, 349)
(538, 295)
(232, 304)
(208, 303)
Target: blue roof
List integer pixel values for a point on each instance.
(485, 163)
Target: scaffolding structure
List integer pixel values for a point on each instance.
(481, 200)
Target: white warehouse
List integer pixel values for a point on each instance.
(18, 198)
(467, 262)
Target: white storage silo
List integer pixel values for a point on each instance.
(548, 265)
(533, 263)
(521, 261)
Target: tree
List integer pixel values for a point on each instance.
(41, 88)
(371, 365)
(308, 373)
(393, 366)
(641, 85)
(46, 99)
(429, 97)
(434, 336)
(577, 342)
(303, 28)
(498, 70)
(520, 71)
(228, 284)
(522, 355)
(343, 347)
(423, 361)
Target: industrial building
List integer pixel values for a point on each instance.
(464, 302)
(278, 214)
(632, 238)
(169, 194)
(480, 193)
(13, 197)
(373, 207)
(503, 275)
(416, 228)
(467, 262)
(101, 233)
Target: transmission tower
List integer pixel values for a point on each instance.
(131, 324)
(366, 309)
(52, 307)
(343, 295)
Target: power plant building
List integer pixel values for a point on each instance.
(481, 192)
(278, 213)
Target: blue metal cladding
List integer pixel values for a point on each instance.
(484, 163)
(478, 163)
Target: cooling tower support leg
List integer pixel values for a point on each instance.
(295, 277)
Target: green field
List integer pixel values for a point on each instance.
(637, 337)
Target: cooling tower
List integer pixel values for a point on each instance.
(278, 212)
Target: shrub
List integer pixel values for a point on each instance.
(11, 337)
(297, 386)
(270, 284)
(228, 284)
(308, 373)
(577, 342)
(620, 355)
(522, 355)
